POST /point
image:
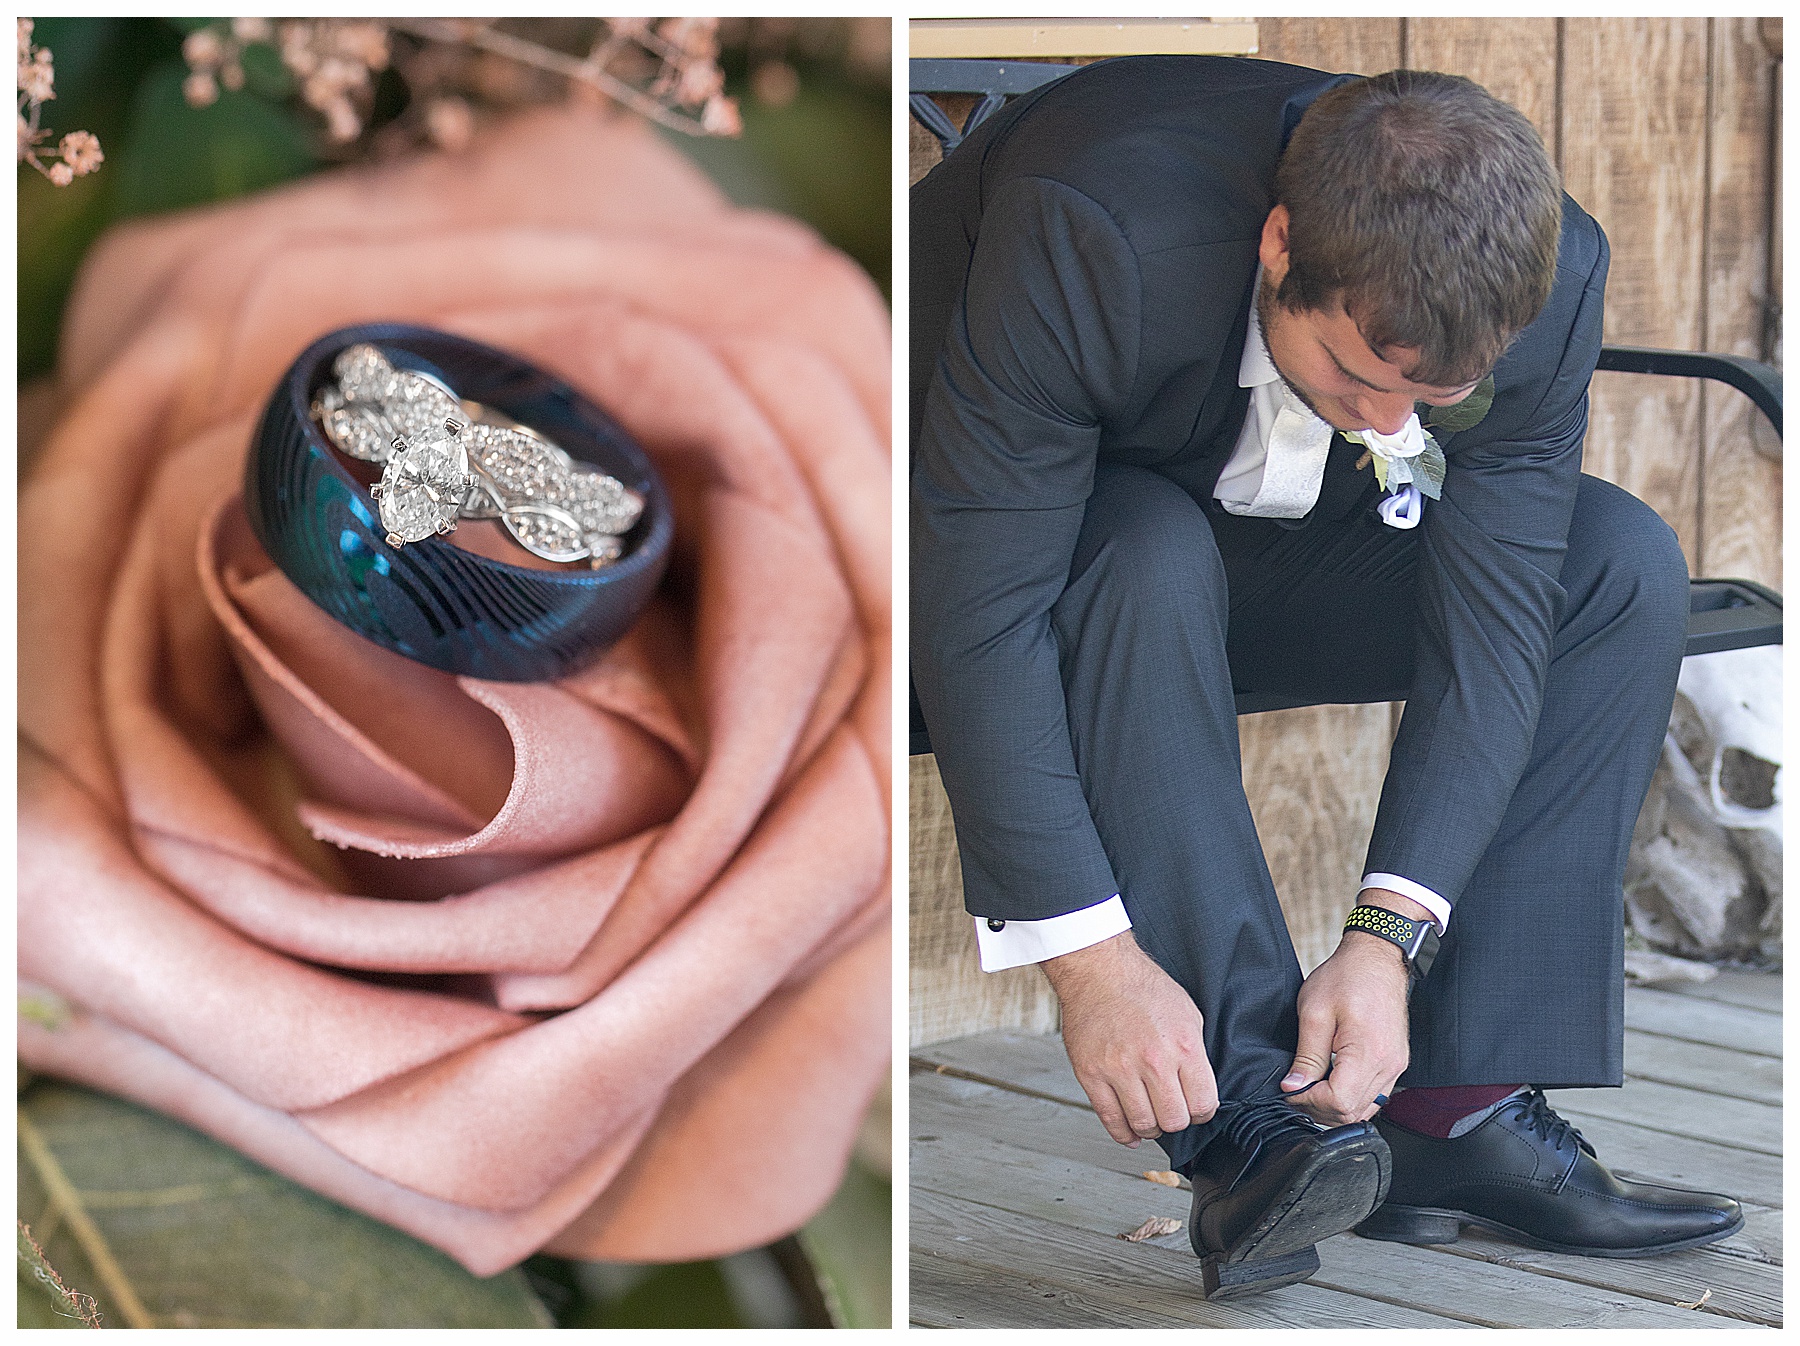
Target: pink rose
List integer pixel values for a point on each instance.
(599, 966)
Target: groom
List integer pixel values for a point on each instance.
(1234, 376)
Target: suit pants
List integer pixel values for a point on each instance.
(1156, 627)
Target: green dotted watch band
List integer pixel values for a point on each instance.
(1409, 934)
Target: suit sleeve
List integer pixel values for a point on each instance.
(1489, 603)
(1044, 339)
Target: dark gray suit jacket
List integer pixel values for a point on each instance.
(1081, 282)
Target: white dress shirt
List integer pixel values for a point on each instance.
(1274, 472)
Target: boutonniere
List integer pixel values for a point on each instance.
(1409, 464)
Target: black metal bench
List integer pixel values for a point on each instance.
(1723, 614)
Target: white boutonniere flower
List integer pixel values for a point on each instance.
(1409, 456)
(1409, 464)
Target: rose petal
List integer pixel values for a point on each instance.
(120, 943)
(531, 922)
(494, 1128)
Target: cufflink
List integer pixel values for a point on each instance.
(996, 926)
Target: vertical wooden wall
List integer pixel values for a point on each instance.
(1665, 130)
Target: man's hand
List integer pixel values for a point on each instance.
(1353, 1005)
(1134, 1038)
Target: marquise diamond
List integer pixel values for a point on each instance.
(424, 485)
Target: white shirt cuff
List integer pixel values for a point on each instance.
(1418, 892)
(1017, 943)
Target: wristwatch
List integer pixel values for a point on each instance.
(1417, 940)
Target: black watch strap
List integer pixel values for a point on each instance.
(1411, 936)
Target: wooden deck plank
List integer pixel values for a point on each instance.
(946, 1293)
(1046, 1186)
(1741, 1288)
(946, 1106)
(1760, 1238)
(1026, 1186)
(1736, 986)
(1694, 1019)
(1702, 1066)
(1029, 1062)
(1680, 1112)
(949, 1293)
(1138, 1277)
(954, 1295)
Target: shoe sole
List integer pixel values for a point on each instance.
(1337, 1189)
(1428, 1224)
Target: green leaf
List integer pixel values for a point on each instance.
(1430, 473)
(166, 1226)
(1463, 415)
(176, 155)
(851, 1248)
(684, 1294)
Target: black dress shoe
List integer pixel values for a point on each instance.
(1528, 1175)
(1272, 1184)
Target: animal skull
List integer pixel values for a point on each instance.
(1728, 724)
(1705, 871)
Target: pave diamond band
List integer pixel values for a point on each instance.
(444, 459)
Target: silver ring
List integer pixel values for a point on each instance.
(444, 459)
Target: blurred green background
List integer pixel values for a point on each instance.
(817, 146)
(126, 1205)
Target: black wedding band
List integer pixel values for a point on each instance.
(429, 600)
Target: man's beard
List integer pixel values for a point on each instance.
(1266, 307)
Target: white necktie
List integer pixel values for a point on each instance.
(1293, 466)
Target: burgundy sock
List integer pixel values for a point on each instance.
(1435, 1112)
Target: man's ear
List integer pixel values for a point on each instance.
(1273, 250)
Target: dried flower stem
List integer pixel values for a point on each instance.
(335, 63)
(557, 63)
(608, 42)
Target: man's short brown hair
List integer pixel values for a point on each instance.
(1428, 209)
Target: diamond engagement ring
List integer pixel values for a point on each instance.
(461, 432)
(444, 459)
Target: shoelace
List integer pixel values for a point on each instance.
(1263, 1119)
(1549, 1124)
